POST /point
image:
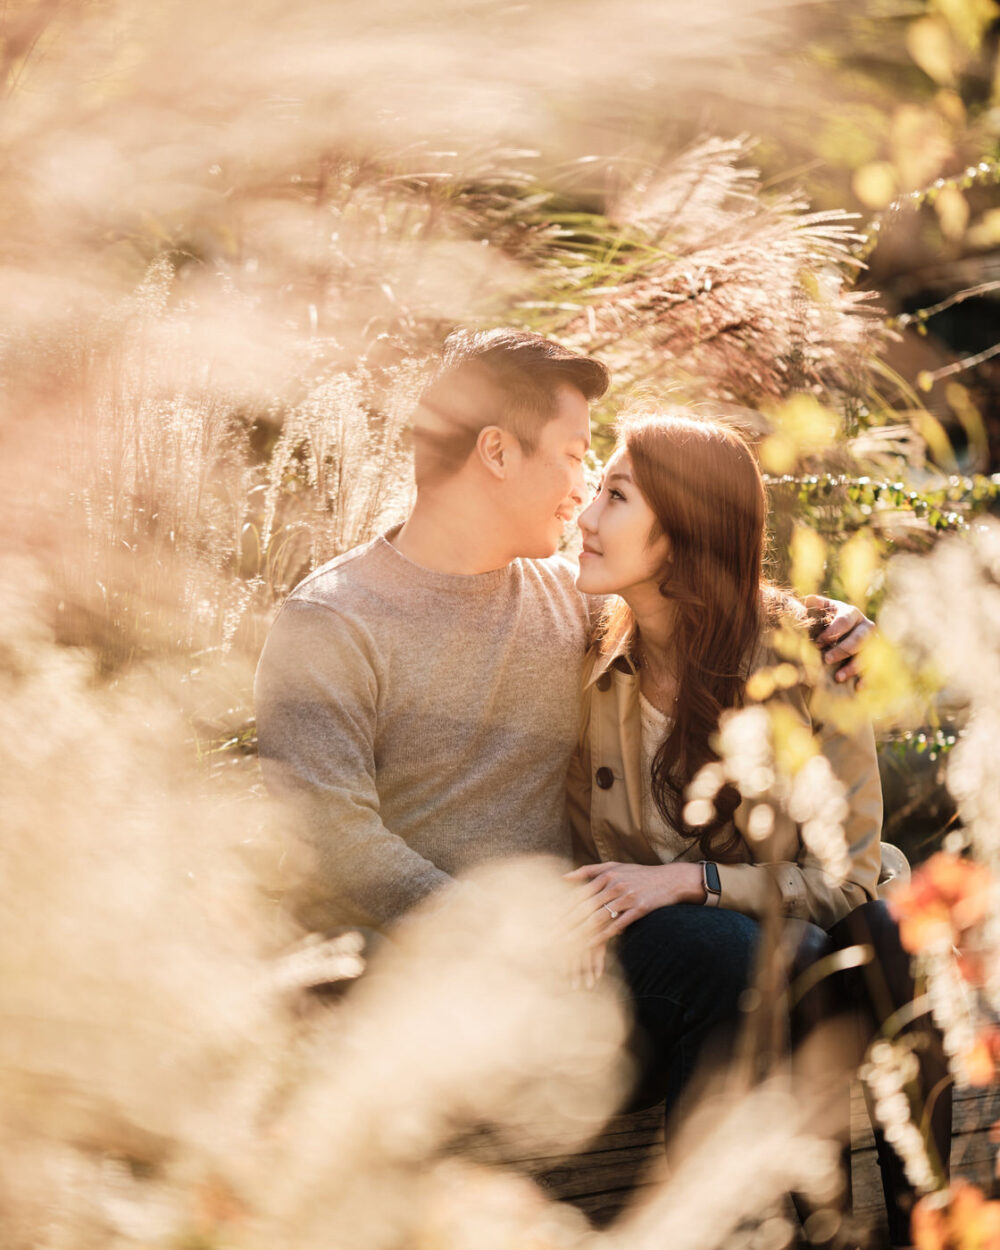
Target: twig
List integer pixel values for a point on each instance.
(922, 314)
(928, 378)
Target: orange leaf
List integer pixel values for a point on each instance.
(979, 1064)
(929, 1225)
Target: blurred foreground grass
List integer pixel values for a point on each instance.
(230, 246)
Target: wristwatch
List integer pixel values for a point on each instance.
(710, 880)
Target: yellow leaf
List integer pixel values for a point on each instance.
(794, 744)
(760, 685)
(795, 646)
(875, 184)
(808, 552)
(986, 232)
(936, 437)
(969, 19)
(952, 209)
(888, 688)
(837, 705)
(805, 424)
(971, 420)
(859, 562)
(777, 454)
(921, 144)
(928, 41)
(949, 104)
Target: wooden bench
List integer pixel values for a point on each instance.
(602, 1179)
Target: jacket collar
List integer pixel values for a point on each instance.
(620, 658)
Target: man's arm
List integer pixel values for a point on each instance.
(316, 695)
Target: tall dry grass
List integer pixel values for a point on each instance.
(230, 241)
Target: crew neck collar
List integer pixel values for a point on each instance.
(434, 579)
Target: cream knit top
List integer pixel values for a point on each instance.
(665, 840)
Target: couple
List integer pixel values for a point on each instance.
(425, 699)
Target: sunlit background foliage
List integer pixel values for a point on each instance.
(231, 240)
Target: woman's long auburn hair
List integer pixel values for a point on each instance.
(700, 478)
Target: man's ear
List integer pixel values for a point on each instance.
(491, 448)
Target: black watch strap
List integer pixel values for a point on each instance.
(710, 880)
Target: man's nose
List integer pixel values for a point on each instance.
(578, 492)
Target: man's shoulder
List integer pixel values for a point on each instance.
(332, 614)
(344, 578)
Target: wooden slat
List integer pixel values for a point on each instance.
(973, 1109)
(973, 1158)
(603, 1178)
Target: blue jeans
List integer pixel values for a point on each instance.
(685, 967)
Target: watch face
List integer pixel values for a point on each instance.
(712, 881)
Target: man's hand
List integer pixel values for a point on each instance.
(844, 637)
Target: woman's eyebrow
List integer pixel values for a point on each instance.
(619, 477)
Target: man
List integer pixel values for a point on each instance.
(418, 697)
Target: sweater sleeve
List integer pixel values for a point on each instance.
(578, 806)
(578, 778)
(803, 888)
(316, 696)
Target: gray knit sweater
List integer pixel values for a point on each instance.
(421, 722)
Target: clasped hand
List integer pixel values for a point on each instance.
(630, 891)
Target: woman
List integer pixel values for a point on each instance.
(676, 534)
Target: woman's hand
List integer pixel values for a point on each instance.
(631, 891)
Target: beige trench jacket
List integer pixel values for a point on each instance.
(606, 822)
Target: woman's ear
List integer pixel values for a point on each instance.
(491, 446)
(661, 544)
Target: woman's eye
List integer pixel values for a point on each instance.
(615, 493)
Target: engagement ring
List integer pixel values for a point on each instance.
(611, 910)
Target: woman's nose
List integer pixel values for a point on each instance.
(586, 520)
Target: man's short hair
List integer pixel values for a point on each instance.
(506, 378)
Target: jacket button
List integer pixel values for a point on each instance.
(605, 778)
(603, 682)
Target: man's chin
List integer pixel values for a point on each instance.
(540, 548)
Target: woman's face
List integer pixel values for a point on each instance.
(619, 556)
